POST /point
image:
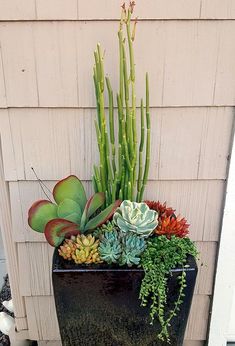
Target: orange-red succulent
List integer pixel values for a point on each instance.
(168, 223)
(173, 225)
(161, 209)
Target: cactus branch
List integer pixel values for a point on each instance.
(116, 173)
(141, 148)
(147, 158)
(111, 123)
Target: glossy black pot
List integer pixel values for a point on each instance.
(99, 305)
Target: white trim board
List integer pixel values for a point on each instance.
(222, 326)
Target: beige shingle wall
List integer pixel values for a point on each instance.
(46, 121)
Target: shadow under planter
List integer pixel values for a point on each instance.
(98, 305)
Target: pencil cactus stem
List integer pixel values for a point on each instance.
(126, 186)
(109, 169)
(94, 184)
(120, 162)
(98, 134)
(96, 94)
(107, 199)
(147, 101)
(129, 191)
(97, 179)
(134, 155)
(101, 67)
(114, 187)
(134, 30)
(125, 76)
(120, 140)
(129, 38)
(134, 117)
(129, 132)
(116, 173)
(97, 65)
(102, 113)
(147, 157)
(141, 148)
(111, 123)
(120, 63)
(124, 139)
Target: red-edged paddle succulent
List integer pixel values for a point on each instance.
(71, 214)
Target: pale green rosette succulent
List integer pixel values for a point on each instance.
(136, 218)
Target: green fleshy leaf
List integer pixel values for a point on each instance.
(56, 230)
(94, 203)
(70, 188)
(40, 213)
(70, 210)
(102, 217)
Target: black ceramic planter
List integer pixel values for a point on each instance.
(99, 305)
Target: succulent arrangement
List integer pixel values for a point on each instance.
(115, 227)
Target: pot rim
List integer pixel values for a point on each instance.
(60, 265)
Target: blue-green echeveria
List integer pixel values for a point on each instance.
(136, 218)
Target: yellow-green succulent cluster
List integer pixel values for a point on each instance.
(67, 250)
(82, 249)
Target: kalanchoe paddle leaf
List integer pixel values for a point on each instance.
(110, 248)
(71, 188)
(69, 231)
(94, 203)
(40, 213)
(69, 210)
(102, 217)
(58, 229)
(136, 218)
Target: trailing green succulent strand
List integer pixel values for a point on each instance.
(116, 173)
(160, 257)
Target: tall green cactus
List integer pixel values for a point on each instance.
(116, 173)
